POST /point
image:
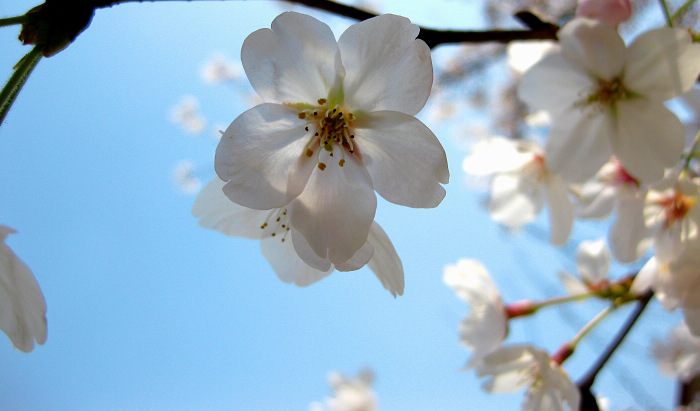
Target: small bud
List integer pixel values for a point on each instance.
(612, 12)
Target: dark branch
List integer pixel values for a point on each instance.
(586, 382)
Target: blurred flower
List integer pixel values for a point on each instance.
(679, 355)
(338, 124)
(185, 178)
(279, 241)
(220, 70)
(612, 188)
(351, 394)
(22, 305)
(186, 115)
(522, 55)
(612, 12)
(607, 99)
(486, 326)
(521, 185)
(592, 264)
(515, 367)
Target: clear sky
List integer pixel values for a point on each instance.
(147, 310)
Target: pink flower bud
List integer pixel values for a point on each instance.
(612, 12)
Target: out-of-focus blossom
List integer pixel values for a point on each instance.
(22, 305)
(612, 12)
(185, 177)
(220, 69)
(486, 326)
(337, 124)
(515, 367)
(675, 282)
(521, 185)
(607, 99)
(186, 115)
(612, 188)
(350, 394)
(279, 241)
(592, 264)
(522, 55)
(679, 355)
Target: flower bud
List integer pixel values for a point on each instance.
(612, 12)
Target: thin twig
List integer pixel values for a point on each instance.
(432, 37)
(17, 80)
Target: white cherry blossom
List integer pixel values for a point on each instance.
(350, 394)
(486, 326)
(279, 241)
(612, 12)
(22, 304)
(337, 123)
(522, 185)
(592, 264)
(679, 355)
(515, 367)
(607, 99)
(613, 188)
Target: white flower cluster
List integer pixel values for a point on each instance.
(300, 171)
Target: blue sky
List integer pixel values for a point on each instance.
(147, 310)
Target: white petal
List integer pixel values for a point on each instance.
(554, 84)
(595, 200)
(662, 64)
(286, 263)
(561, 211)
(515, 201)
(307, 254)
(336, 210)
(216, 212)
(506, 365)
(483, 331)
(571, 284)
(386, 67)
(294, 62)
(593, 45)
(577, 145)
(646, 277)
(649, 138)
(496, 155)
(593, 260)
(385, 263)
(630, 238)
(471, 282)
(405, 159)
(692, 320)
(22, 305)
(260, 156)
(359, 259)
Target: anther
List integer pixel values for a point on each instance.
(322, 101)
(306, 128)
(302, 115)
(322, 166)
(341, 162)
(309, 152)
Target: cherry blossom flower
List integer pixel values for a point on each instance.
(521, 185)
(337, 124)
(592, 264)
(612, 12)
(607, 99)
(22, 305)
(679, 355)
(279, 241)
(220, 70)
(676, 283)
(350, 394)
(486, 326)
(515, 367)
(186, 114)
(612, 188)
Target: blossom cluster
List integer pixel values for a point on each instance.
(300, 171)
(613, 148)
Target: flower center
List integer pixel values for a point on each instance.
(276, 224)
(608, 92)
(329, 127)
(676, 207)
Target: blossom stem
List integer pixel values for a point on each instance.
(682, 9)
(691, 154)
(591, 325)
(586, 382)
(9, 21)
(667, 12)
(22, 71)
